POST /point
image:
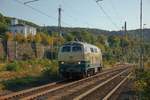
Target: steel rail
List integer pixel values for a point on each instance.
(66, 85)
(115, 89)
(36, 89)
(98, 86)
(23, 92)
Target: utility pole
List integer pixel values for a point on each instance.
(59, 27)
(59, 20)
(125, 37)
(141, 37)
(125, 29)
(122, 44)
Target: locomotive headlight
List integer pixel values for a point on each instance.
(62, 62)
(79, 62)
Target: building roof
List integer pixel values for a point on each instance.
(81, 43)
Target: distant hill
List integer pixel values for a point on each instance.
(6, 21)
(135, 33)
(66, 30)
(146, 34)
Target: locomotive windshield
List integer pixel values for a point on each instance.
(74, 48)
(66, 49)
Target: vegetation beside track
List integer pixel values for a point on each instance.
(24, 74)
(142, 85)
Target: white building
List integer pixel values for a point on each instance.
(21, 28)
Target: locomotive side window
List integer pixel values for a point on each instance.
(76, 48)
(92, 50)
(95, 50)
(66, 49)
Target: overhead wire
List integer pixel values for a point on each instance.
(108, 17)
(41, 12)
(30, 1)
(82, 22)
(45, 14)
(116, 12)
(76, 20)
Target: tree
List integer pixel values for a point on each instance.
(124, 42)
(44, 38)
(101, 39)
(9, 36)
(49, 40)
(20, 38)
(114, 41)
(37, 38)
(75, 35)
(101, 46)
(3, 24)
(61, 40)
(3, 27)
(82, 36)
(68, 37)
(30, 38)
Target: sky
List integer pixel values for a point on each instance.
(80, 13)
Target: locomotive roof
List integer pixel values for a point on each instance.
(80, 43)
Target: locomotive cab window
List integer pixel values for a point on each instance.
(66, 49)
(92, 50)
(76, 49)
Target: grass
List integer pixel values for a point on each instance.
(30, 73)
(2, 66)
(108, 64)
(26, 82)
(142, 84)
(48, 75)
(51, 70)
(147, 64)
(13, 67)
(25, 74)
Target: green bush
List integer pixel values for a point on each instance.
(19, 83)
(51, 70)
(148, 64)
(143, 84)
(12, 67)
(26, 82)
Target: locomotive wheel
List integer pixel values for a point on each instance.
(84, 75)
(88, 73)
(94, 72)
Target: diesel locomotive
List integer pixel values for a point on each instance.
(79, 59)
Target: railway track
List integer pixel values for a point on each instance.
(24, 93)
(105, 90)
(63, 90)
